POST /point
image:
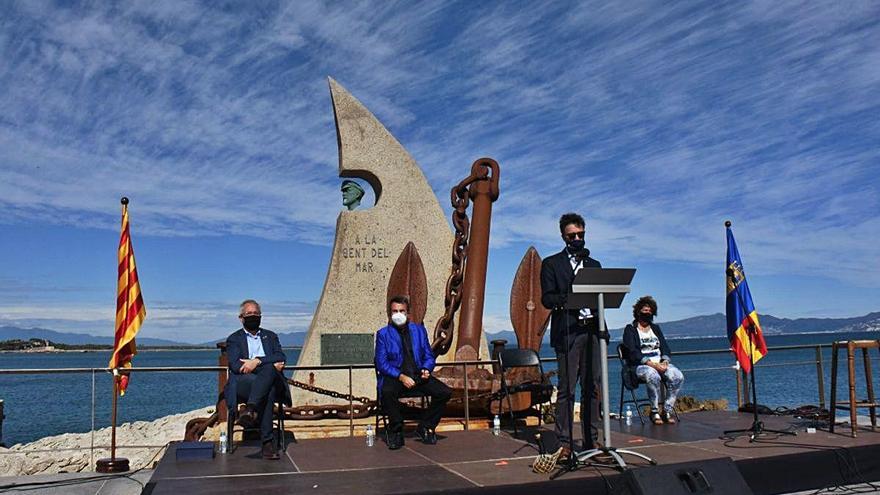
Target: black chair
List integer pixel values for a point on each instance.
(629, 381)
(541, 390)
(405, 394)
(232, 404)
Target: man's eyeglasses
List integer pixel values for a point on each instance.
(574, 235)
(249, 314)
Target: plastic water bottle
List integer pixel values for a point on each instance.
(496, 426)
(629, 415)
(371, 436)
(224, 445)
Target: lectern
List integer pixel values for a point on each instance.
(599, 289)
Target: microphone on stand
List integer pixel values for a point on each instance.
(581, 255)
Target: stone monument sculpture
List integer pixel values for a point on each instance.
(368, 243)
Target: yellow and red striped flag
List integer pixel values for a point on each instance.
(130, 309)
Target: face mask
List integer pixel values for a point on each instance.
(576, 244)
(646, 317)
(398, 319)
(251, 323)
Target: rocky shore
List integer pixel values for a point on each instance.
(141, 442)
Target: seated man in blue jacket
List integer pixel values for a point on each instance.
(256, 361)
(404, 363)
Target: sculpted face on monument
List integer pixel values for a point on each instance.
(352, 193)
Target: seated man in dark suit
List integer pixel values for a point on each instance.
(404, 363)
(256, 361)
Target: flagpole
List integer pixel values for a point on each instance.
(114, 464)
(757, 429)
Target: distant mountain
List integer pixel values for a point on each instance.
(715, 325)
(10, 333)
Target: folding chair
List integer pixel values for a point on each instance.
(522, 358)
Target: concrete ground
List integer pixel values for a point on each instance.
(77, 484)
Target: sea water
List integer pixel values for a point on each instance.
(43, 405)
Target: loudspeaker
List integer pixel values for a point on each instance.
(715, 476)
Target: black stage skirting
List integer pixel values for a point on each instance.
(478, 462)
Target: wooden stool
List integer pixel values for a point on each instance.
(852, 403)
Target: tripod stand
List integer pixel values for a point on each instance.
(757, 428)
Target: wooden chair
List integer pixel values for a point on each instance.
(852, 404)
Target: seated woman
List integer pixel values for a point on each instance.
(647, 351)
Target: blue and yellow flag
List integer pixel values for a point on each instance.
(741, 312)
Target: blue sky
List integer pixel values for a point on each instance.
(656, 121)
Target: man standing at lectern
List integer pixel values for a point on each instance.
(577, 355)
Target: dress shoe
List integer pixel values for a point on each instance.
(426, 435)
(565, 453)
(395, 440)
(270, 452)
(247, 418)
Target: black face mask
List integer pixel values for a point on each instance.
(576, 245)
(251, 323)
(646, 317)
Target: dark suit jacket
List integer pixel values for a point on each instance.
(237, 348)
(556, 278)
(634, 347)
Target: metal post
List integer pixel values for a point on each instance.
(350, 406)
(222, 378)
(739, 384)
(92, 448)
(1, 422)
(113, 419)
(603, 353)
(467, 409)
(820, 377)
(745, 385)
(113, 464)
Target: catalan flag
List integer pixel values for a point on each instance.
(130, 309)
(741, 313)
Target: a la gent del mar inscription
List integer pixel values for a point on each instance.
(365, 253)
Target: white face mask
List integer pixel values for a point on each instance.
(398, 318)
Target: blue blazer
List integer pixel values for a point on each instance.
(237, 348)
(389, 352)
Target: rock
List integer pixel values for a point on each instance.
(685, 404)
(141, 442)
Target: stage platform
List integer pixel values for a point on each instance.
(478, 462)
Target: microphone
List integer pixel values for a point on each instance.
(582, 254)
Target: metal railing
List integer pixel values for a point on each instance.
(742, 384)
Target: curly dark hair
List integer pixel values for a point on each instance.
(570, 218)
(398, 299)
(642, 302)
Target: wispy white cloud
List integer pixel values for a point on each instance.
(656, 121)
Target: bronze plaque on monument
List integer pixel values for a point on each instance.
(347, 348)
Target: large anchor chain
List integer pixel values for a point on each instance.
(483, 169)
